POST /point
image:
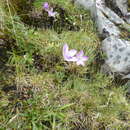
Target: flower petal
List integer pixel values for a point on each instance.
(51, 9)
(84, 58)
(51, 13)
(80, 54)
(72, 52)
(65, 48)
(46, 5)
(65, 51)
(80, 62)
(71, 59)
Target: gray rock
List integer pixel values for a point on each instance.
(116, 49)
(87, 4)
(118, 54)
(113, 17)
(105, 26)
(122, 5)
(127, 18)
(101, 13)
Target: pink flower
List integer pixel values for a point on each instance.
(81, 58)
(69, 55)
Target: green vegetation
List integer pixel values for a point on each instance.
(39, 90)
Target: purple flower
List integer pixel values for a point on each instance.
(69, 55)
(51, 13)
(46, 6)
(81, 58)
(49, 9)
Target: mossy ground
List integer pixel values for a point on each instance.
(39, 90)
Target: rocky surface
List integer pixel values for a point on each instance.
(109, 16)
(118, 54)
